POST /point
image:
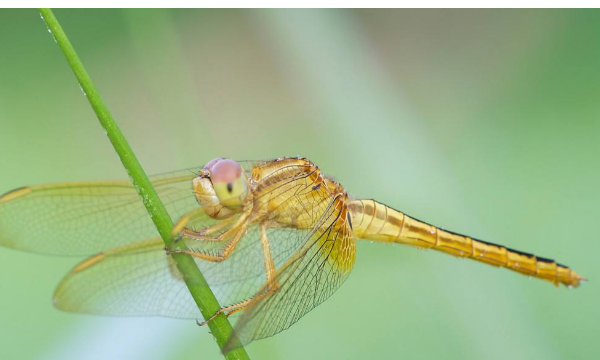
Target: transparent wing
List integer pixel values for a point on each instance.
(139, 279)
(308, 278)
(83, 218)
(134, 280)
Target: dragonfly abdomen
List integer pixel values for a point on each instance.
(378, 222)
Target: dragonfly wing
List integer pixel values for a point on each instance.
(139, 279)
(87, 217)
(309, 277)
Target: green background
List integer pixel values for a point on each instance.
(482, 122)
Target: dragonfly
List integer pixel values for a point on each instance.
(274, 239)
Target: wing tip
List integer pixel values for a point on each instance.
(87, 263)
(15, 194)
(58, 298)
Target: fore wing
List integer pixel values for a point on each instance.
(84, 218)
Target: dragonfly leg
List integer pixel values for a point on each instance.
(228, 310)
(236, 235)
(181, 229)
(272, 284)
(205, 233)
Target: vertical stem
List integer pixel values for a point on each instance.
(203, 296)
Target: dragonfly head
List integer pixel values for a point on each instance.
(221, 182)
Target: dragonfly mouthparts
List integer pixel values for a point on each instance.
(204, 173)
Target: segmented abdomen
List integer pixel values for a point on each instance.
(375, 221)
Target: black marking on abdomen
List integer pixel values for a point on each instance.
(543, 259)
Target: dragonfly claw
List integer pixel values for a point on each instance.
(175, 251)
(178, 237)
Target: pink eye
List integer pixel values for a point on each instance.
(223, 170)
(210, 164)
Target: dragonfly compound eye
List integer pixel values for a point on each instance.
(229, 181)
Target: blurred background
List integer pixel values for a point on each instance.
(482, 122)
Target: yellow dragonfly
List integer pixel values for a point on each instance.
(274, 239)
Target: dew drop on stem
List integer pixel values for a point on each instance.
(81, 88)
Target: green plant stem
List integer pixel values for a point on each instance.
(203, 296)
